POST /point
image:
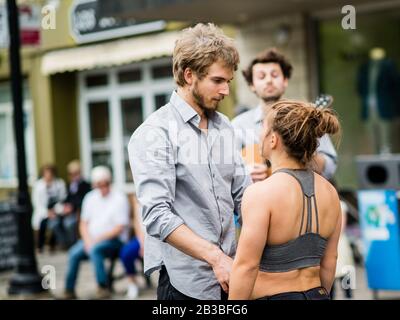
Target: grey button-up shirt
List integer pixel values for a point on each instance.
(184, 176)
(248, 127)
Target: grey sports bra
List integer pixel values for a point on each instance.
(307, 249)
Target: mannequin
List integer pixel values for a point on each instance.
(378, 88)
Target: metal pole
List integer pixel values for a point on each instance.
(26, 279)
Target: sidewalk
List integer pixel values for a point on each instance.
(86, 285)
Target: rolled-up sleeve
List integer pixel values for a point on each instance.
(327, 150)
(151, 158)
(240, 182)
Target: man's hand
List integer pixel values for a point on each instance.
(88, 244)
(259, 172)
(67, 208)
(222, 266)
(188, 242)
(51, 214)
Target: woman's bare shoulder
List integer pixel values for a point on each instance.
(325, 186)
(269, 188)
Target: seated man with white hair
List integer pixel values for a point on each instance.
(103, 228)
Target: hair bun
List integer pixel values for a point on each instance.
(327, 122)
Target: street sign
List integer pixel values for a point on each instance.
(30, 22)
(88, 25)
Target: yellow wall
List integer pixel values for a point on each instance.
(65, 120)
(59, 37)
(26, 64)
(43, 114)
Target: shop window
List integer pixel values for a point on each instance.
(161, 72)
(132, 117)
(98, 80)
(100, 134)
(161, 99)
(132, 114)
(8, 166)
(99, 121)
(128, 76)
(101, 158)
(110, 116)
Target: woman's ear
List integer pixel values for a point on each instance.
(274, 140)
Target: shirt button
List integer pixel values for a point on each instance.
(217, 197)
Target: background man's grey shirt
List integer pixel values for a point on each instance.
(184, 176)
(248, 127)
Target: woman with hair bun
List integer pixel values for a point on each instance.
(291, 221)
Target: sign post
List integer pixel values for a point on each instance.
(26, 279)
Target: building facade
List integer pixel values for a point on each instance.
(91, 80)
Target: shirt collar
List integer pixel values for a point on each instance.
(258, 114)
(188, 113)
(185, 110)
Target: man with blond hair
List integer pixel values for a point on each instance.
(189, 178)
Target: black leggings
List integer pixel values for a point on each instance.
(318, 293)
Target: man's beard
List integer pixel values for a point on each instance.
(200, 101)
(272, 99)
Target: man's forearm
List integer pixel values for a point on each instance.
(83, 229)
(190, 243)
(114, 233)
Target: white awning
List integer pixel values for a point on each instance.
(109, 54)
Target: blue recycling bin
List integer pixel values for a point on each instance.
(379, 221)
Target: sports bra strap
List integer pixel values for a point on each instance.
(305, 178)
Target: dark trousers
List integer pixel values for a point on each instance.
(165, 290)
(97, 255)
(62, 229)
(318, 293)
(41, 241)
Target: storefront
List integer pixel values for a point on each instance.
(326, 56)
(112, 104)
(89, 83)
(343, 57)
(30, 41)
(105, 83)
(8, 170)
(93, 81)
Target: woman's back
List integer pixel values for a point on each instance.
(291, 221)
(295, 242)
(287, 208)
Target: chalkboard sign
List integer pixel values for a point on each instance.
(8, 237)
